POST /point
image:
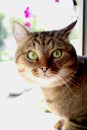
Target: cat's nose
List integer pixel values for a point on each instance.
(44, 69)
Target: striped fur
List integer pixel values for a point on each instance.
(63, 80)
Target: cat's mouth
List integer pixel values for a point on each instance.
(45, 76)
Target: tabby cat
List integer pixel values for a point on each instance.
(50, 61)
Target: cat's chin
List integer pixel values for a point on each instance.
(46, 77)
(46, 80)
(42, 81)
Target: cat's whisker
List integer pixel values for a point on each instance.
(74, 81)
(34, 72)
(66, 84)
(54, 72)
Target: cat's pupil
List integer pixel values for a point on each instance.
(32, 55)
(57, 54)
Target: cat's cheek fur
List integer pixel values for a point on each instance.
(45, 82)
(49, 81)
(39, 81)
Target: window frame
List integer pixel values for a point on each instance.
(84, 27)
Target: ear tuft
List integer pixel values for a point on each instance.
(20, 33)
(69, 28)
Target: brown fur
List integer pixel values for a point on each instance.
(63, 81)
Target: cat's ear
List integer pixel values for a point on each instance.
(69, 28)
(20, 33)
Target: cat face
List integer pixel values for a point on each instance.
(46, 58)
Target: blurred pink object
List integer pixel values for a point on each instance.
(56, 0)
(28, 24)
(27, 12)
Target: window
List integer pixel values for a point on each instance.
(45, 15)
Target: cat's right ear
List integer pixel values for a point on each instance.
(20, 33)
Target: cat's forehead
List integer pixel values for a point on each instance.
(46, 34)
(46, 38)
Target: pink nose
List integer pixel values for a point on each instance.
(44, 68)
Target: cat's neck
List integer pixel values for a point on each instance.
(51, 93)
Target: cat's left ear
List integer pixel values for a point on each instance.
(69, 28)
(20, 33)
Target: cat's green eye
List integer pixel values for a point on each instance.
(57, 54)
(32, 55)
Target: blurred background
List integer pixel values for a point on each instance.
(43, 15)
